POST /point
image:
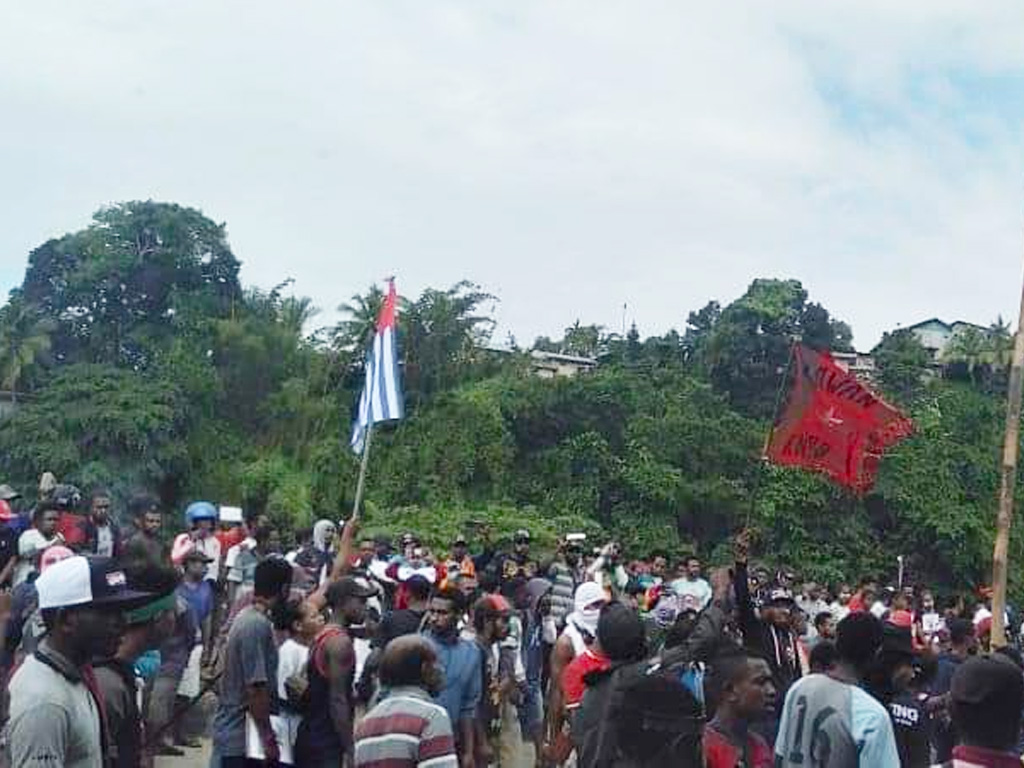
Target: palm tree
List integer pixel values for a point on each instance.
(294, 313)
(24, 342)
(1000, 343)
(362, 311)
(968, 346)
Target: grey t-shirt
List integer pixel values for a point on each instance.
(54, 720)
(250, 658)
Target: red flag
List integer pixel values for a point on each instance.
(834, 424)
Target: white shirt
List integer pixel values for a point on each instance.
(839, 611)
(291, 658)
(104, 541)
(231, 558)
(698, 589)
(30, 544)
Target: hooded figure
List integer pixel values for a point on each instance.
(316, 558)
(581, 624)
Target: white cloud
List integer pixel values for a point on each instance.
(569, 156)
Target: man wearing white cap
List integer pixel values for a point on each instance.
(55, 715)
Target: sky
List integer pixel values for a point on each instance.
(570, 157)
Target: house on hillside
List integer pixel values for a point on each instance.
(936, 335)
(551, 365)
(860, 364)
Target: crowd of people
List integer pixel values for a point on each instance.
(325, 648)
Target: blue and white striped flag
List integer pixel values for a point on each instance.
(382, 392)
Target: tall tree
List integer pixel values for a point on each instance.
(746, 350)
(24, 342)
(443, 334)
(902, 364)
(361, 312)
(115, 288)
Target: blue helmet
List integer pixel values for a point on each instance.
(200, 510)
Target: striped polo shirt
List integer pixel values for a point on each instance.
(406, 730)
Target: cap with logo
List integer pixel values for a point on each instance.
(780, 595)
(81, 581)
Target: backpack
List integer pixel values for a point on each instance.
(657, 719)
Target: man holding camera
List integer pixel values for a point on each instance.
(607, 571)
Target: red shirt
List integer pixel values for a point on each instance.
(573, 686)
(720, 753)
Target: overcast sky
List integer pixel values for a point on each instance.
(570, 157)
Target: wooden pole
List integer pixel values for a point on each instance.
(1008, 481)
(362, 472)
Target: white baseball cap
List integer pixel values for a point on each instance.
(82, 580)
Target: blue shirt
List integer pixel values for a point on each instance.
(199, 596)
(462, 678)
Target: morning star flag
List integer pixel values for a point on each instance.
(382, 392)
(834, 424)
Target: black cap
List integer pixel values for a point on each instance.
(621, 633)
(195, 554)
(896, 641)
(350, 586)
(987, 681)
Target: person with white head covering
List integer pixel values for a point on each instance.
(578, 635)
(317, 557)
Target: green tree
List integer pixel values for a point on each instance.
(24, 342)
(746, 351)
(443, 336)
(902, 363)
(361, 311)
(113, 289)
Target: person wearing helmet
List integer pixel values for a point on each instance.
(201, 517)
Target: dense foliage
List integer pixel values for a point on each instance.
(140, 361)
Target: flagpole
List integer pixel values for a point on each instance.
(362, 471)
(762, 459)
(1008, 480)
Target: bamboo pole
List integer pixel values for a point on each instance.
(1008, 479)
(362, 472)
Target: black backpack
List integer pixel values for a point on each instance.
(657, 720)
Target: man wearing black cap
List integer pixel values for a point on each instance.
(56, 718)
(326, 729)
(771, 635)
(891, 684)
(146, 627)
(987, 696)
(517, 568)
